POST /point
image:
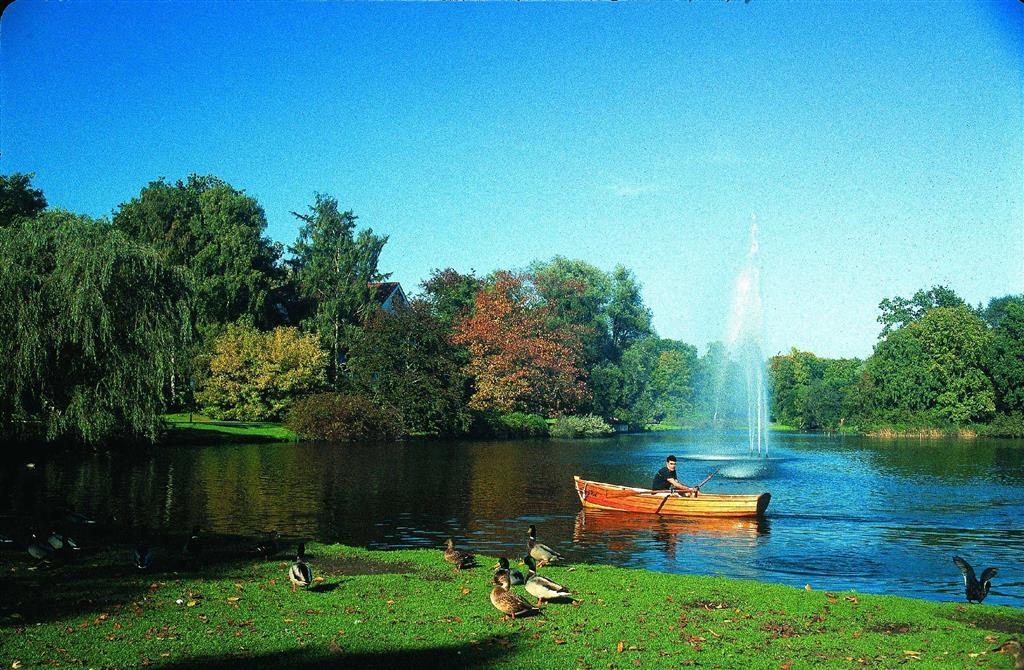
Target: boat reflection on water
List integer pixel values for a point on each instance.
(626, 531)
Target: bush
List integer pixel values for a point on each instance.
(1005, 425)
(256, 376)
(515, 424)
(336, 417)
(587, 425)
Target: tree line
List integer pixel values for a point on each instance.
(938, 364)
(180, 301)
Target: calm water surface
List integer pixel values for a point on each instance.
(846, 513)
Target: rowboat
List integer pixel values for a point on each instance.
(598, 495)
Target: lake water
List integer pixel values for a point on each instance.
(846, 512)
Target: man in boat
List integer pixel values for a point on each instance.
(666, 480)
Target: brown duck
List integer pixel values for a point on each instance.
(460, 559)
(505, 600)
(1013, 648)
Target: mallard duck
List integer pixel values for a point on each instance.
(1013, 648)
(302, 551)
(78, 519)
(976, 589)
(542, 587)
(460, 559)
(300, 574)
(505, 600)
(267, 547)
(515, 577)
(194, 544)
(541, 552)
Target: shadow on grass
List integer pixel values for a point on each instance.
(105, 580)
(479, 655)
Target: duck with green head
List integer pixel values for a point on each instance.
(542, 553)
(515, 577)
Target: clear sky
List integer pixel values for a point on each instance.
(878, 144)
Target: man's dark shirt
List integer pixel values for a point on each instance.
(661, 479)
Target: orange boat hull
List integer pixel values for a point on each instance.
(598, 495)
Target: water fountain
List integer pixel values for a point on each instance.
(743, 341)
(740, 382)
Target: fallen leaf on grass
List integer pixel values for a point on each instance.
(465, 591)
(318, 579)
(807, 587)
(786, 666)
(15, 665)
(234, 599)
(620, 646)
(559, 641)
(851, 599)
(911, 652)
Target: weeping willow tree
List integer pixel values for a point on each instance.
(93, 323)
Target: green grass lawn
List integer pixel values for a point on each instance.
(205, 430)
(408, 609)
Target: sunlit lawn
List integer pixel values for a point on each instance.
(184, 427)
(408, 609)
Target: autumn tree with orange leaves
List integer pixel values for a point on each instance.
(520, 361)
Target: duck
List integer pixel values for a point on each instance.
(1013, 648)
(541, 552)
(460, 559)
(194, 544)
(300, 574)
(542, 587)
(267, 547)
(514, 576)
(142, 554)
(78, 519)
(507, 601)
(976, 589)
(40, 549)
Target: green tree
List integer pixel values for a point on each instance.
(830, 400)
(933, 369)
(405, 360)
(18, 200)
(1007, 363)
(216, 231)
(673, 380)
(578, 295)
(898, 312)
(258, 376)
(630, 318)
(995, 311)
(99, 320)
(451, 294)
(333, 268)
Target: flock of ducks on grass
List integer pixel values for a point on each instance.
(504, 599)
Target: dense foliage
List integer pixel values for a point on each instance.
(257, 375)
(216, 232)
(181, 301)
(333, 268)
(336, 417)
(587, 425)
(97, 321)
(405, 359)
(520, 360)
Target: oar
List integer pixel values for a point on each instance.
(707, 479)
(696, 488)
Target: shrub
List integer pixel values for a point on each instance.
(256, 376)
(1005, 425)
(586, 425)
(515, 424)
(336, 417)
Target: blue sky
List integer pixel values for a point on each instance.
(878, 144)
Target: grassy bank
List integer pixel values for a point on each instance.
(185, 428)
(408, 609)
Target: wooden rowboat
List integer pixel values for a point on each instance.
(645, 501)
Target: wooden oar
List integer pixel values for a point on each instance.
(696, 489)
